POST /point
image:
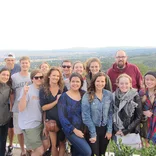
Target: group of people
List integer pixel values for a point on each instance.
(89, 106)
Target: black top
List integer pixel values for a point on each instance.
(46, 99)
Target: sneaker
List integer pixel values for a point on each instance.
(10, 151)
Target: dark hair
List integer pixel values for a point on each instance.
(77, 75)
(91, 88)
(46, 82)
(9, 83)
(66, 61)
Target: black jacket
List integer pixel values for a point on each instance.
(131, 124)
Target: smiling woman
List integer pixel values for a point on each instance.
(4, 111)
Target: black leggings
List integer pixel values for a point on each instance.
(100, 146)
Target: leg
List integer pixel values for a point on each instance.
(61, 148)
(38, 151)
(19, 133)
(103, 142)
(10, 137)
(3, 137)
(79, 145)
(21, 142)
(53, 138)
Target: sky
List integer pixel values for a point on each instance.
(56, 24)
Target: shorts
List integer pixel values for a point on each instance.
(33, 137)
(11, 123)
(17, 129)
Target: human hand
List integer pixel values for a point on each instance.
(108, 135)
(92, 140)
(26, 88)
(119, 133)
(45, 132)
(148, 113)
(78, 133)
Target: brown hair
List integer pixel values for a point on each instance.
(89, 61)
(34, 72)
(9, 83)
(91, 88)
(24, 58)
(46, 82)
(44, 63)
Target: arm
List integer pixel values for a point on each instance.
(62, 113)
(44, 102)
(12, 97)
(110, 117)
(86, 116)
(23, 99)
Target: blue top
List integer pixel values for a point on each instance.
(16, 69)
(69, 111)
(98, 112)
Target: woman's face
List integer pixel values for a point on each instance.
(124, 84)
(75, 83)
(94, 67)
(4, 76)
(54, 77)
(100, 83)
(44, 68)
(150, 81)
(78, 68)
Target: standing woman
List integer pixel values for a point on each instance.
(93, 66)
(70, 116)
(78, 67)
(49, 95)
(97, 114)
(4, 109)
(148, 95)
(127, 107)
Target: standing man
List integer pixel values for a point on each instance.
(122, 66)
(18, 82)
(66, 72)
(14, 68)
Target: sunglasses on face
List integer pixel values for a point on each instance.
(64, 66)
(38, 77)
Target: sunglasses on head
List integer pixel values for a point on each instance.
(64, 66)
(38, 77)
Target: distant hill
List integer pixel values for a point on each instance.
(107, 51)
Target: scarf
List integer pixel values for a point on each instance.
(126, 103)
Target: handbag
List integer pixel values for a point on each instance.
(133, 140)
(51, 125)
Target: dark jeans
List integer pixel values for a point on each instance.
(3, 137)
(100, 146)
(80, 146)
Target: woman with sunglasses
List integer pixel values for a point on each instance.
(30, 114)
(93, 66)
(50, 93)
(5, 115)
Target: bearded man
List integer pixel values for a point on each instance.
(122, 66)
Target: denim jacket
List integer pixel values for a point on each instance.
(97, 113)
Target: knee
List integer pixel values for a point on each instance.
(88, 152)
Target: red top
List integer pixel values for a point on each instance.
(131, 70)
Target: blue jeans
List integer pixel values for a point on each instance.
(80, 146)
(3, 137)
